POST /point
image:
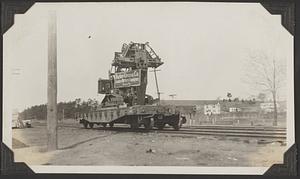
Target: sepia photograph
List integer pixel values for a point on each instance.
(148, 87)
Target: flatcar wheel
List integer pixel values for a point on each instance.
(85, 124)
(91, 125)
(104, 125)
(149, 124)
(176, 127)
(111, 124)
(161, 126)
(134, 125)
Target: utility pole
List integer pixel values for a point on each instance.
(52, 84)
(63, 115)
(156, 82)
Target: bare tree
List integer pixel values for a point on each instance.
(229, 95)
(266, 74)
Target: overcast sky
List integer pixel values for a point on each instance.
(204, 47)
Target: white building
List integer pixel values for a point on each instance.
(212, 109)
(234, 109)
(268, 107)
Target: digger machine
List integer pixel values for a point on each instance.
(125, 100)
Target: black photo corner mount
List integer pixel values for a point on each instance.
(287, 11)
(8, 10)
(9, 166)
(284, 8)
(289, 166)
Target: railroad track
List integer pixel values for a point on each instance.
(253, 128)
(230, 131)
(235, 131)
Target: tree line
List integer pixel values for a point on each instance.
(64, 109)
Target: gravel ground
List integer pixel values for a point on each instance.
(79, 146)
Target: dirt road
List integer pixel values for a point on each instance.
(79, 146)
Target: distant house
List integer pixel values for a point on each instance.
(234, 109)
(212, 109)
(268, 107)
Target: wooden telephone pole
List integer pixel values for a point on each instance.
(52, 84)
